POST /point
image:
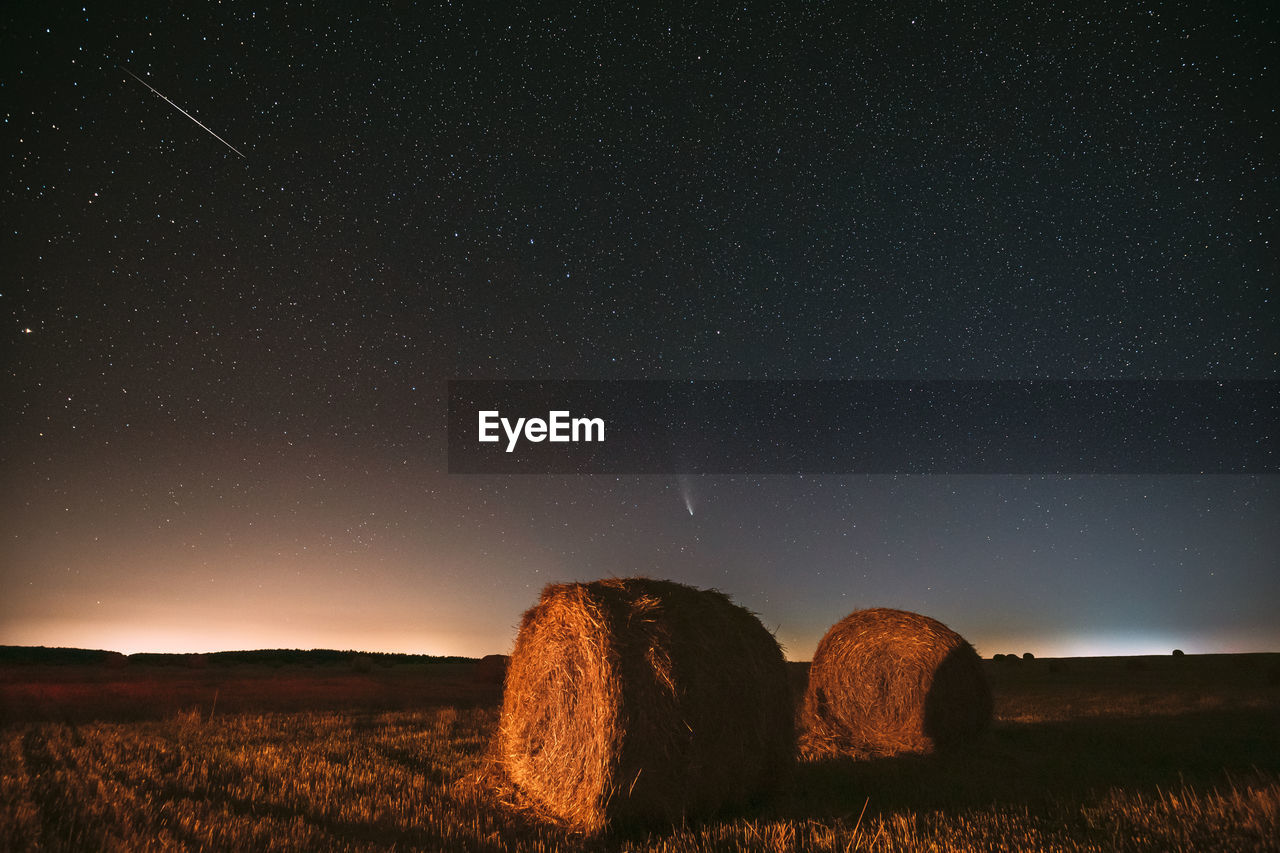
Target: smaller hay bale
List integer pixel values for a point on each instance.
(637, 701)
(884, 682)
(490, 670)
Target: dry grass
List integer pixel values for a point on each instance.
(639, 700)
(885, 682)
(337, 782)
(1182, 755)
(95, 693)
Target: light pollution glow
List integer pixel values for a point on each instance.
(179, 636)
(373, 562)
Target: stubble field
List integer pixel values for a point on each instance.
(1086, 754)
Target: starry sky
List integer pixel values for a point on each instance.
(230, 316)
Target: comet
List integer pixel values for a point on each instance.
(181, 110)
(686, 493)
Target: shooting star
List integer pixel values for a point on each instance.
(181, 110)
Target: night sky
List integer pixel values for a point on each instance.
(225, 359)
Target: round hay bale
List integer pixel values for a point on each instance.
(885, 682)
(637, 700)
(490, 670)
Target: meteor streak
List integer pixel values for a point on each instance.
(181, 110)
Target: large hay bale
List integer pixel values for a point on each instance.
(884, 682)
(636, 700)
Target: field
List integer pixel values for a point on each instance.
(1176, 753)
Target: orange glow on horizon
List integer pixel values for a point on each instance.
(173, 637)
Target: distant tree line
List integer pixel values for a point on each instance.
(259, 657)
